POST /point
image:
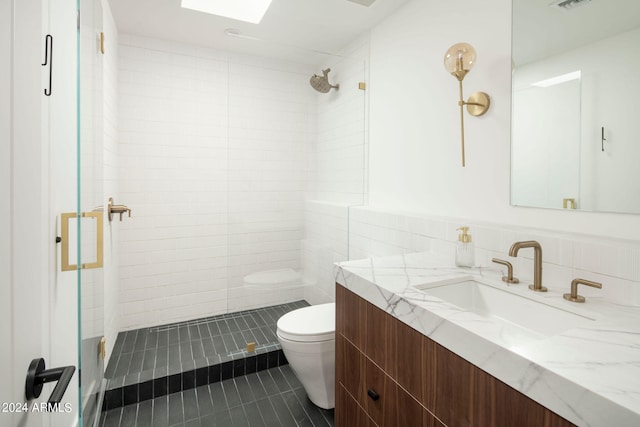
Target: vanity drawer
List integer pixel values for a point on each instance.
(385, 402)
(351, 319)
(380, 394)
(350, 368)
(348, 412)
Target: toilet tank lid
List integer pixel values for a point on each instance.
(268, 277)
(315, 320)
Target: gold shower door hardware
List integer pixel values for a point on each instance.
(568, 203)
(113, 209)
(103, 348)
(64, 219)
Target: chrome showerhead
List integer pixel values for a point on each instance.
(321, 83)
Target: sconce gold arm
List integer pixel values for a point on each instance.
(461, 104)
(477, 104)
(64, 220)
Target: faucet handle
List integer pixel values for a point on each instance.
(509, 277)
(117, 209)
(573, 296)
(125, 209)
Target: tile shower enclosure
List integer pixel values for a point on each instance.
(218, 156)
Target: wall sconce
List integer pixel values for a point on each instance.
(458, 60)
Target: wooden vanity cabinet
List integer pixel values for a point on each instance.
(388, 374)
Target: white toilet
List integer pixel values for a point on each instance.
(307, 336)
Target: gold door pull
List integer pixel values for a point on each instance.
(65, 239)
(117, 209)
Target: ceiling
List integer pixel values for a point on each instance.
(302, 30)
(540, 31)
(291, 29)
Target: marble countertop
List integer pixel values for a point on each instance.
(589, 373)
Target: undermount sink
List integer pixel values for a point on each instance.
(521, 317)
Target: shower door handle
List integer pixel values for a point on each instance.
(37, 375)
(65, 239)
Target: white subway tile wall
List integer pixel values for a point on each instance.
(213, 159)
(338, 159)
(338, 173)
(613, 262)
(271, 126)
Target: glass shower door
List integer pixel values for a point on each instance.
(92, 219)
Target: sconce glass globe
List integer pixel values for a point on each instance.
(459, 59)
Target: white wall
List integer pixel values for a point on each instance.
(415, 129)
(6, 321)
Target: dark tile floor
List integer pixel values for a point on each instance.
(218, 339)
(269, 398)
(153, 362)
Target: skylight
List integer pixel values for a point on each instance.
(241, 10)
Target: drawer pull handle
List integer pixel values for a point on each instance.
(372, 394)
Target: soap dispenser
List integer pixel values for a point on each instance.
(465, 256)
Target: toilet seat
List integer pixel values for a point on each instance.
(315, 323)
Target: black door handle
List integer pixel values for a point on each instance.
(37, 376)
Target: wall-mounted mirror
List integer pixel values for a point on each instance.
(575, 139)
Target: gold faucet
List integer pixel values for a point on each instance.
(116, 209)
(573, 296)
(537, 262)
(509, 277)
